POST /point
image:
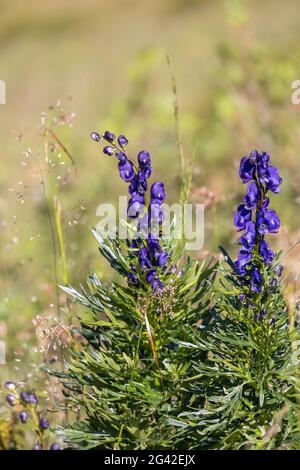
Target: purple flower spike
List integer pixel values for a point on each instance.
(122, 140)
(255, 217)
(152, 257)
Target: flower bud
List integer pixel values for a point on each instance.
(44, 423)
(278, 270)
(37, 447)
(108, 150)
(95, 136)
(121, 156)
(29, 398)
(55, 446)
(109, 136)
(23, 417)
(272, 322)
(10, 385)
(11, 399)
(122, 140)
(144, 158)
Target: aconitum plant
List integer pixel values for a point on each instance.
(246, 387)
(256, 219)
(130, 375)
(146, 246)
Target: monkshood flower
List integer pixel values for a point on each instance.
(266, 253)
(242, 217)
(256, 280)
(256, 219)
(267, 221)
(249, 237)
(149, 254)
(270, 176)
(247, 169)
(252, 196)
(243, 261)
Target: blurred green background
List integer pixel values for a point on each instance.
(234, 62)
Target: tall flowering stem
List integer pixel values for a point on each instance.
(146, 251)
(256, 219)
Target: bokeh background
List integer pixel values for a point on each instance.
(72, 67)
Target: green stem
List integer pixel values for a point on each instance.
(61, 243)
